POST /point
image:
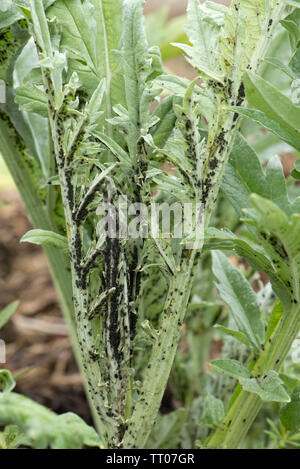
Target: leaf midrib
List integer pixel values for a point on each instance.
(79, 35)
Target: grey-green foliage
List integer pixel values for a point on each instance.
(269, 202)
(80, 109)
(7, 383)
(268, 387)
(263, 199)
(268, 105)
(212, 31)
(45, 238)
(100, 127)
(10, 13)
(271, 109)
(43, 428)
(236, 346)
(7, 312)
(290, 413)
(235, 290)
(203, 34)
(91, 41)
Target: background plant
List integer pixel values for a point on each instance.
(79, 129)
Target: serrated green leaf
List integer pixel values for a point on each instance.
(235, 290)
(167, 118)
(7, 383)
(94, 106)
(7, 312)
(203, 35)
(114, 147)
(44, 428)
(243, 176)
(269, 387)
(260, 118)
(274, 104)
(179, 86)
(45, 238)
(270, 217)
(236, 334)
(79, 27)
(141, 65)
(277, 185)
(91, 34)
(12, 438)
(32, 100)
(244, 26)
(257, 258)
(176, 85)
(231, 368)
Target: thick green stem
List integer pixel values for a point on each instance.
(165, 347)
(162, 358)
(91, 368)
(59, 265)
